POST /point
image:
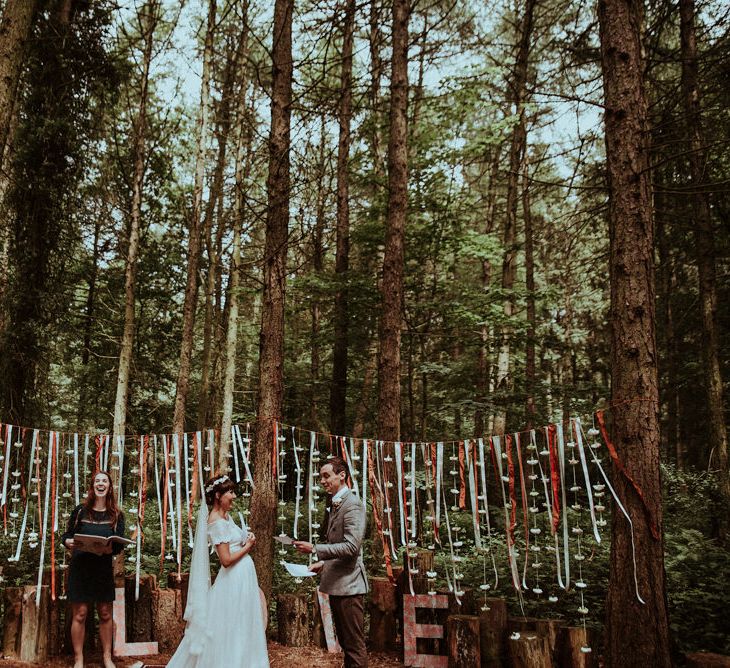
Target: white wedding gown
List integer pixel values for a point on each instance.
(236, 636)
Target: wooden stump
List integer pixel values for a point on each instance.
(180, 582)
(34, 631)
(423, 562)
(493, 631)
(139, 613)
(552, 629)
(167, 622)
(383, 609)
(13, 604)
(292, 615)
(707, 660)
(530, 651)
(462, 633)
(568, 651)
(318, 636)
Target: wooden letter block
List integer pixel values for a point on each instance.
(329, 628)
(121, 646)
(412, 631)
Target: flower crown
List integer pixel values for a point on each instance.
(218, 481)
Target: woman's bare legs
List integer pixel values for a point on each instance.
(106, 631)
(78, 631)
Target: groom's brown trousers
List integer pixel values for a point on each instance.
(347, 614)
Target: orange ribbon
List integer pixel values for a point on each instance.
(617, 463)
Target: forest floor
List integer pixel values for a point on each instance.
(279, 656)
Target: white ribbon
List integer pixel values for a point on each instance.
(120, 457)
(584, 466)
(244, 455)
(55, 488)
(564, 496)
(310, 484)
(364, 473)
(178, 494)
(28, 496)
(399, 478)
(140, 491)
(438, 474)
(76, 469)
(470, 465)
(170, 504)
(628, 518)
(486, 509)
(6, 469)
(158, 482)
(413, 491)
(188, 482)
(44, 531)
(86, 458)
(298, 491)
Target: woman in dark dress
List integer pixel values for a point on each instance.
(91, 576)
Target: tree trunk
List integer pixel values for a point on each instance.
(338, 392)
(635, 412)
(211, 241)
(318, 266)
(705, 249)
(509, 263)
(149, 21)
(243, 168)
(271, 342)
(194, 236)
(15, 28)
(530, 372)
(483, 355)
(392, 285)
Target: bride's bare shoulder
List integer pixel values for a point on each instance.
(215, 517)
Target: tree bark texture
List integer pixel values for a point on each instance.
(509, 238)
(338, 390)
(271, 341)
(15, 28)
(637, 634)
(705, 250)
(194, 236)
(149, 20)
(484, 334)
(318, 266)
(243, 168)
(389, 363)
(530, 367)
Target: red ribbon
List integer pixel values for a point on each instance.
(617, 463)
(377, 513)
(462, 480)
(512, 495)
(523, 488)
(554, 476)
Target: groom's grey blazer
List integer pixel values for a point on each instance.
(343, 573)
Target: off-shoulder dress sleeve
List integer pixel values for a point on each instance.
(220, 532)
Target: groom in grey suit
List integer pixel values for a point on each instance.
(340, 562)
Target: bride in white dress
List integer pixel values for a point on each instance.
(225, 622)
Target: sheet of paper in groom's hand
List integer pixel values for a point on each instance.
(284, 539)
(98, 544)
(298, 570)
